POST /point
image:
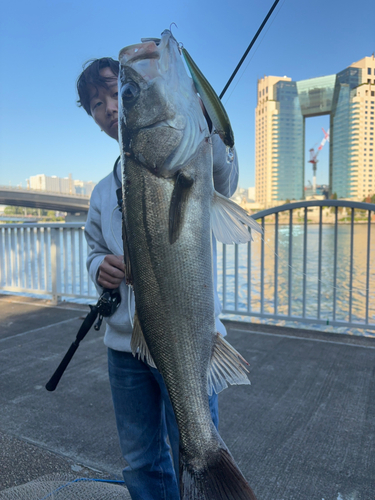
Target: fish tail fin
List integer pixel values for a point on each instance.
(221, 479)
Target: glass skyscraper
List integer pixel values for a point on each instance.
(282, 107)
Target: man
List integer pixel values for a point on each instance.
(144, 414)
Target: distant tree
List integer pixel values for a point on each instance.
(10, 210)
(51, 214)
(25, 211)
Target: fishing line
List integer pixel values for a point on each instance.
(249, 48)
(242, 60)
(82, 479)
(255, 50)
(296, 272)
(130, 288)
(113, 234)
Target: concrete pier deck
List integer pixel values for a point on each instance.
(303, 430)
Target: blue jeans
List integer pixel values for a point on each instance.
(145, 417)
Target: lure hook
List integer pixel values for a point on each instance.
(170, 27)
(179, 44)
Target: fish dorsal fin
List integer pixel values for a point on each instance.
(138, 343)
(227, 367)
(230, 223)
(179, 198)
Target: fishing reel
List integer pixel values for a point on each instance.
(107, 305)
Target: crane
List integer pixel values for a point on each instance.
(314, 156)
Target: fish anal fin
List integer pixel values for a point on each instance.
(138, 343)
(231, 223)
(227, 367)
(179, 198)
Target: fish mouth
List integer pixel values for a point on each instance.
(149, 48)
(156, 40)
(138, 52)
(142, 55)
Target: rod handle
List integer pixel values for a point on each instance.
(54, 380)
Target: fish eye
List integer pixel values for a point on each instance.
(129, 91)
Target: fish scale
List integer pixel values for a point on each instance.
(169, 200)
(169, 335)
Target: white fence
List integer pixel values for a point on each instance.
(302, 270)
(297, 272)
(45, 259)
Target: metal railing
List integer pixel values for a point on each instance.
(303, 270)
(45, 259)
(43, 191)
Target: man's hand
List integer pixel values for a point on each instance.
(111, 271)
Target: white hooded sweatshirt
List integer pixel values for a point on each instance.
(103, 234)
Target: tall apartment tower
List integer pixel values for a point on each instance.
(282, 107)
(362, 131)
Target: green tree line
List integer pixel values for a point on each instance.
(37, 212)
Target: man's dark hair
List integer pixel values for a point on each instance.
(91, 76)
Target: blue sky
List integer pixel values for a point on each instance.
(43, 44)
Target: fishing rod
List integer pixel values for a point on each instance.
(109, 301)
(107, 304)
(249, 48)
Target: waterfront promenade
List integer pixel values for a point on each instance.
(304, 429)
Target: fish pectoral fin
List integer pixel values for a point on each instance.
(179, 198)
(138, 343)
(227, 367)
(230, 223)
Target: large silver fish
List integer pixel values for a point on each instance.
(170, 209)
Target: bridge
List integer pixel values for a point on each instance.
(45, 200)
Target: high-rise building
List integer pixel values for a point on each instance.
(283, 105)
(84, 187)
(63, 185)
(52, 183)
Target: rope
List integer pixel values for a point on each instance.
(81, 479)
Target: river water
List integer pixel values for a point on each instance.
(75, 281)
(252, 302)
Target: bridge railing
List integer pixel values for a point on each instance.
(314, 264)
(45, 259)
(41, 191)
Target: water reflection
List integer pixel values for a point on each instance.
(249, 297)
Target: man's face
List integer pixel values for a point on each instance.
(104, 104)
